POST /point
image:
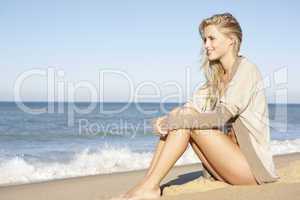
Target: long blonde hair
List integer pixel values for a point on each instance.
(213, 70)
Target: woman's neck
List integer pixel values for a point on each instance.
(227, 62)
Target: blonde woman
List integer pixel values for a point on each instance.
(226, 122)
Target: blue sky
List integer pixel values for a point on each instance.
(153, 43)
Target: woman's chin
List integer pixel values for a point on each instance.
(212, 58)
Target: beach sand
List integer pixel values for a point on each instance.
(183, 182)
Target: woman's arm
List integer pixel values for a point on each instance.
(159, 123)
(190, 118)
(240, 93)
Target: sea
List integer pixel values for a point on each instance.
(42, 141)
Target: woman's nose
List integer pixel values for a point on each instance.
(206, 44)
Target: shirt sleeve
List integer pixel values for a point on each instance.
(190, 118)
(197, 101)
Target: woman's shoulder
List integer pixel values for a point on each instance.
(248, 65)
(249, 68)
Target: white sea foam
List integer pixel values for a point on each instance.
(109, 159)
(285, 146)
(102, 161)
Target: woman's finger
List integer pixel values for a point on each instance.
(162, 126)
(155, 125)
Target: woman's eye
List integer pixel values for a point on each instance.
(208, 38)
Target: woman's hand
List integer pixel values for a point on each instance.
(160, 125)
(181, 117)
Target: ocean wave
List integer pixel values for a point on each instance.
(279, 147)
(105, 160)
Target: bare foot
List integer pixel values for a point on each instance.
(140, 192)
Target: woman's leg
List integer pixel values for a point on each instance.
(201, 156)
(204, 161)
(206, 164)
(174, 146)
(224, 156)
(160, 146)
(158, 149)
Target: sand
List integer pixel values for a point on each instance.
(288, 174)
(183, 182)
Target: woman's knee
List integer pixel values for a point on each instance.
(204, 132)
(181, 132)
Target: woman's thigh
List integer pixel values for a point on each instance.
(224, 155)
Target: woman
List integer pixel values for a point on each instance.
(226, 122)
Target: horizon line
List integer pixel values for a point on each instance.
(33, 101)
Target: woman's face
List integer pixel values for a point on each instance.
(216, 44)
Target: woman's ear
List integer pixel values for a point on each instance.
(231, 40)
